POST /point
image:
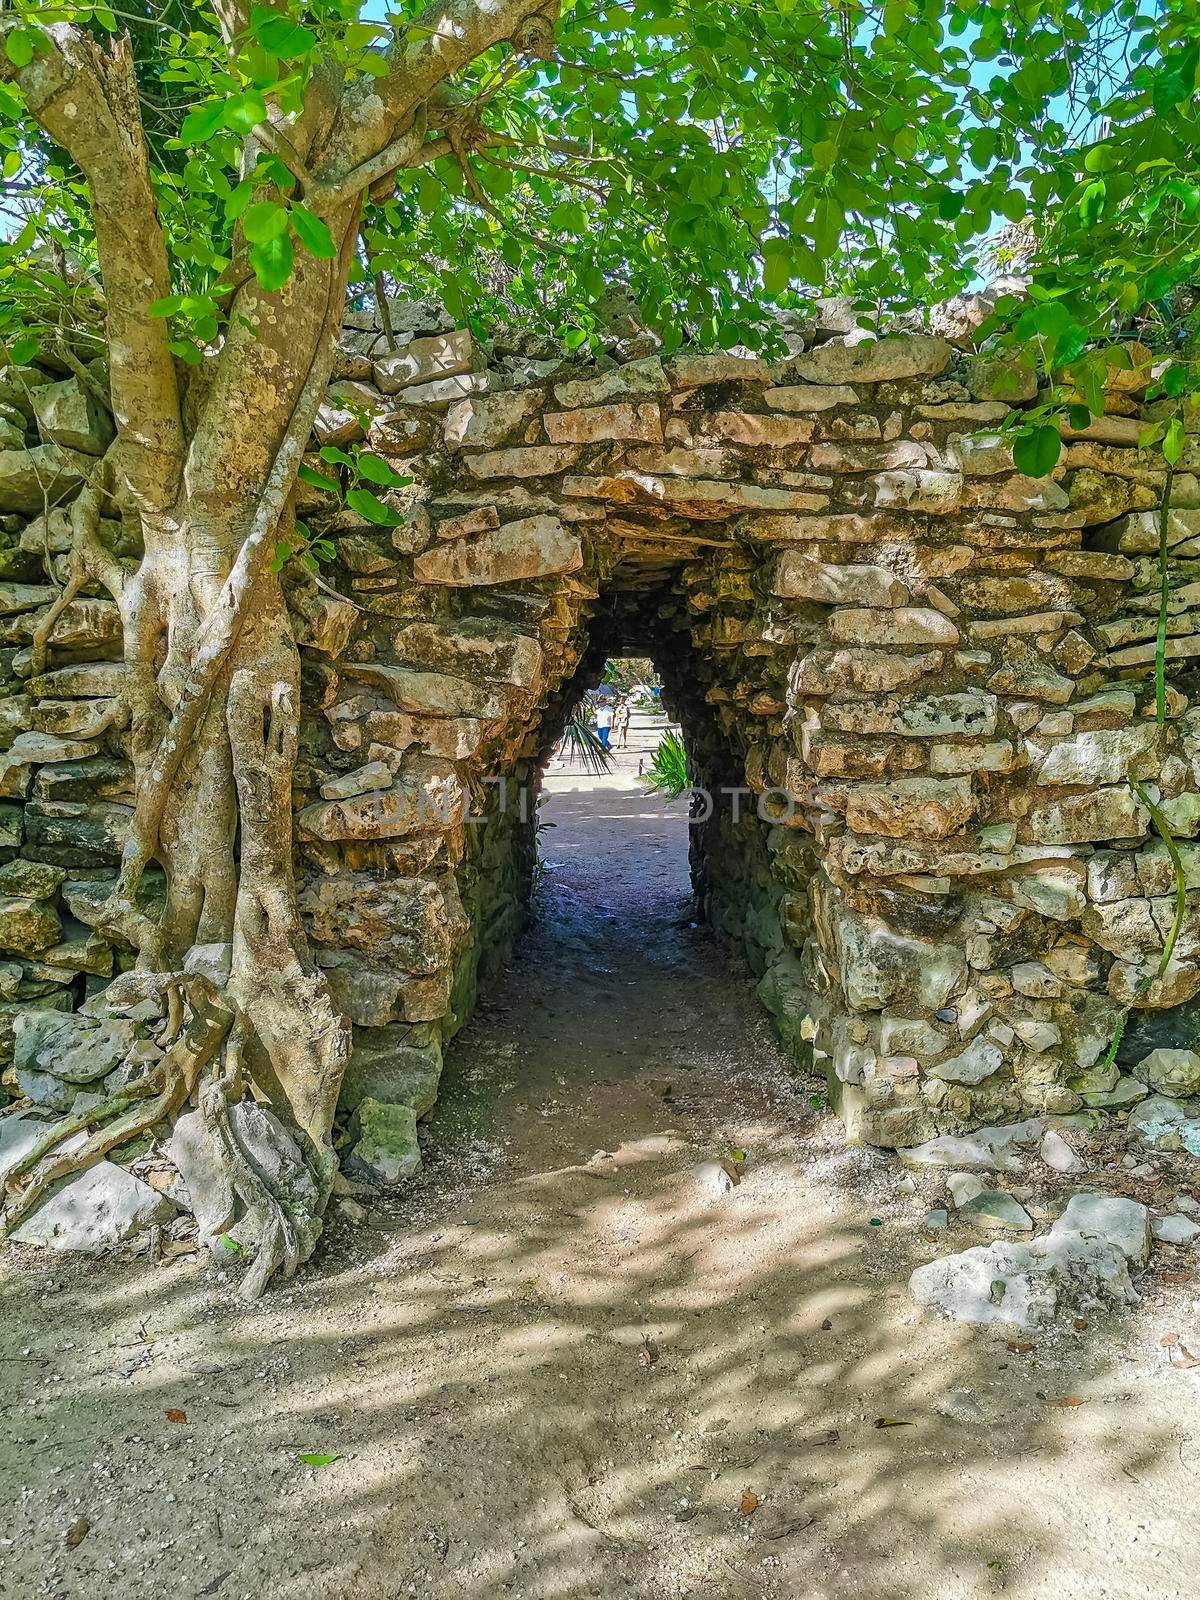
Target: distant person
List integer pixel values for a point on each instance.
(622, 724)
(604, 722)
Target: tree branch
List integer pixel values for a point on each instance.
(87, 102)
(402, 152)
(277, 141)
(427, 53)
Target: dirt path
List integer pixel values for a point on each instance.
(563, 1364)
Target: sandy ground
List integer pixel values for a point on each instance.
(560, 1366)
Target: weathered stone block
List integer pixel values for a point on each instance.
(1105, 756)
(589, 424)
(1032, 678)
(396, 1065)
(419, 801)
(905, 625)
(971, 712)
(810, 397)
(978, 1061)
(692, 497)
(532, 547)
(1114, 813)
(898, 456)
(971, 756)
(486, 649)
(802, 577)
(69, 414)
(442, 356)
(386, 1149)
(1170, 1072)
(28, 925)
(390, 733)
(27, 477)
(881, 970)
(887, 360)
(101, 1208)
(935, 493)
(364, 779)
(910, 1036)
(489, 420)
(823, 672)
(728, 366)
(979, 455)
(523, 461)
(634, 378)
(443, 391)
(755, 430)
(917, 808)
(399, 921)
(425, 694)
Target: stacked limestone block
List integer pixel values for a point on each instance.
(64, 786)
(930, 674)
(920, 659)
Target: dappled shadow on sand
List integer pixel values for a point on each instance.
(557, 1366)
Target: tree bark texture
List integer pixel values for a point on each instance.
(205, 462)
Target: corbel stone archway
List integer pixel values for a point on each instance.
(932, 674)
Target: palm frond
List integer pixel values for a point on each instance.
(581, 742)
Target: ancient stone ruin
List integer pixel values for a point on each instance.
(916, 688)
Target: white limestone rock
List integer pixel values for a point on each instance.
(994, 1209)
(101, 1208)
(1170, 1072)
(1175, 1229)
(1060, 1156)
(1083, 1260)
(1125, 1224)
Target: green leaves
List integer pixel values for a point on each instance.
(22, 44)
(272, 262)
(202, 124)
(1175, 80)
(317, 480)
(777, 271)
(265, 225)
(264, 221)
(242, 113)
(1091, 203)
(707, 160)
(312, 233)
(374, 469)
(279, 34)
(372, 508)
(1174, 441)
(1036, 450)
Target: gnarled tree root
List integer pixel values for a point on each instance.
(133, 1109)
(267, 1222)
(279, 1194)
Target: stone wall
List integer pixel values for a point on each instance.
(930, 674)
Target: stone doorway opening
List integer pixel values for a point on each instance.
(611, 863)
(626, 970)
(643, 615)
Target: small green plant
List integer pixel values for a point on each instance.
(668, 772)
(364, 474)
